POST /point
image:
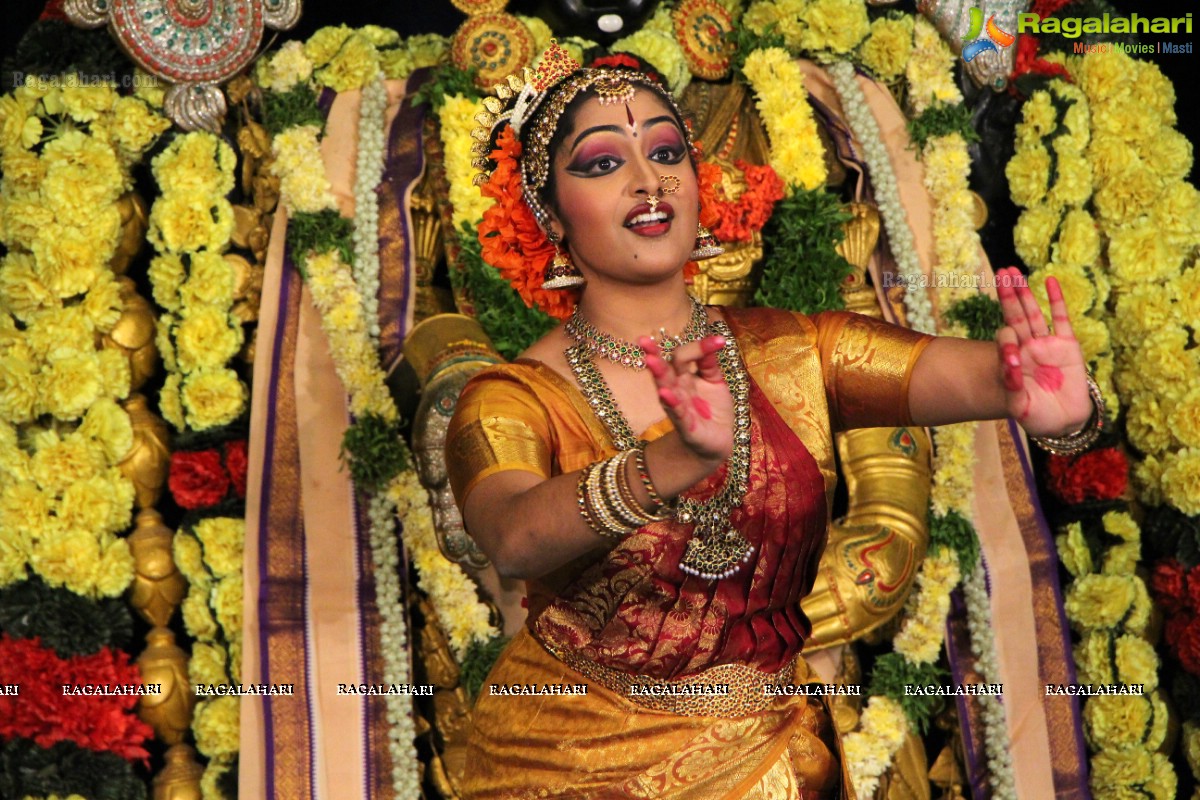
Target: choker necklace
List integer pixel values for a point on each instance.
(716, 549)
(628, 354)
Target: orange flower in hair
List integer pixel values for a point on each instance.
(512, 241)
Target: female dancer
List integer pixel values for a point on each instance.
(667, 501)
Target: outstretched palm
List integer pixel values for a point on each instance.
(1045, 377)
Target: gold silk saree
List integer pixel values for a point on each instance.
(627, 618)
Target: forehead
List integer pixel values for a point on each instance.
(645, 105)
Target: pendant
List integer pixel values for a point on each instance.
(716, 556)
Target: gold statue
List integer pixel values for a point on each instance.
(180, 778)
(147, 462)
(169, 713)
(158, 586)
(133, 335)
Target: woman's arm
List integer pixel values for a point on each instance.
(1030, 374)
(529, 525)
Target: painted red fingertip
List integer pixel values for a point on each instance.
(1053, 290)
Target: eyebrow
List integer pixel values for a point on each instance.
(617, 128)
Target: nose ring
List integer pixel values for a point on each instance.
(653, 202)
(670, 183)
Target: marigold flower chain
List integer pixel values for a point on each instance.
(796, 150)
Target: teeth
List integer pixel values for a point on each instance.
(653, 216)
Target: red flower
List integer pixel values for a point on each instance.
(616, 60)
(1167, 585)
(1027, 60)
(236, 464)
(1187, 646)
(197, 479)
(1099, 475)
(49, 709)
(53, 11)
(1192, 597)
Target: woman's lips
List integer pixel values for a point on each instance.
(648, 220)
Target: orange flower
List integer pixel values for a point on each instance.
(512, 241)
(736, 221)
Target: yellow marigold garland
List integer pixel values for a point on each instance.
(65, 154)
(1088, 226)
(797, 154)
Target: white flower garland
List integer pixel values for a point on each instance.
(983, 646)
(866, 130)
(347, 299)
(368, 169)
(957, 246)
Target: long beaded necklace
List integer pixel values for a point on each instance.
(716, 549)
(628, 354)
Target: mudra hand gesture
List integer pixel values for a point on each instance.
(1044, 375)
(694, 394)
(1039, 378)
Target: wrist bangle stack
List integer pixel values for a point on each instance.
(1086, 436)
(607, 502)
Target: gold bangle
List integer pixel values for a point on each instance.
(618, 506)
(610, 527)
(1085, 437)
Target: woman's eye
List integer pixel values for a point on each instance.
(598, 166)
(667, 155)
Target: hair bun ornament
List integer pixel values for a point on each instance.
(514, 100)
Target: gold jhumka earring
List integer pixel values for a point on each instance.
(706, 245)
(562, 273)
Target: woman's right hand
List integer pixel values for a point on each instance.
(694, 394)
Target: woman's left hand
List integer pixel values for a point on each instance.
(1045, 378)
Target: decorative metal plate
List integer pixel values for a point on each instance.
(498, 45)
(195, 44)
(701, 27)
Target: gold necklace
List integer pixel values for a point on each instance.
(716, 549)
(628, 354)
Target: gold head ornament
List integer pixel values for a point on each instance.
(534, 102)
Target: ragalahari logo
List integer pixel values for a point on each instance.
(995, 36)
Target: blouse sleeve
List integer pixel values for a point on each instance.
(866, 364)
(499, 424)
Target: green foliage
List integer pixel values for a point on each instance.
(319, 233)
(374, 451)
(296, 106)
(746, 41)
(941, 119)
(478, 661)
(893, 672)
(54, 47)
(979, 314)
(955, 532)
(802, 270)
(65, 768)
(445, 80)
(67, 623)
(512, 325)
